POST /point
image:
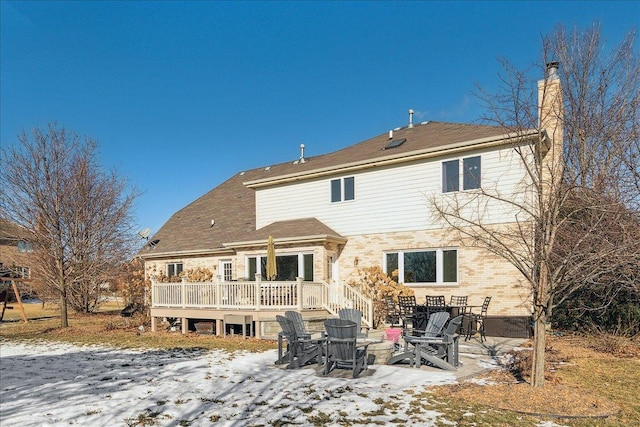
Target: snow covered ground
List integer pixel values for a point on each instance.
(54, 384)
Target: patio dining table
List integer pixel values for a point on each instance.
(423, 312)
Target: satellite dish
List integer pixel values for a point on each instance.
(144, 234)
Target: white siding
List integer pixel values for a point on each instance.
(390, 199)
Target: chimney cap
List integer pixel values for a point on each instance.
(552, 69)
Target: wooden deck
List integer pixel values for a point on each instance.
(261, 300)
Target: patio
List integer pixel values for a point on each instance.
(476, 357)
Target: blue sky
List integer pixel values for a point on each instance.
(182, 95)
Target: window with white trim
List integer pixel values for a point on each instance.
(289, 266)
(226, 268)
(435, 266)
(469, 170)
(343, 189)
(174, 269)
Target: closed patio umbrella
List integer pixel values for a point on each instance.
(272, 269)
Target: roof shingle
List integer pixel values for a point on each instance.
(232, 203)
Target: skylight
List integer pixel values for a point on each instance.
(395, 143)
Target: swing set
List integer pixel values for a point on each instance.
(4, 297)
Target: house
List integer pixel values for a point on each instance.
(15, 263)
(15, 250)
(369, 204)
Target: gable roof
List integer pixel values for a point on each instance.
(297, 230)
(232, 204)
(421, 140)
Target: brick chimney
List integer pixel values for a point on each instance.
(550, 122)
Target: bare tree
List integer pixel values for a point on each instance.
(575, 137)
(79, 215)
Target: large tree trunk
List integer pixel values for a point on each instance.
(62, 286)
(64, 319)
(539, 340)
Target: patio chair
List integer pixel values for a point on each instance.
(343, 350)
(356, 317)
(460, 302)
(435, 304)
(458, 306)
(298, 324)
(477, 320)
(392, 314)
(434, 328)
(441, 351)
(300, 351)
(407, 308)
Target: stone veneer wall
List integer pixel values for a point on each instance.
(480, 273)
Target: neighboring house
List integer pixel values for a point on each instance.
(365, 205)
(15, 251)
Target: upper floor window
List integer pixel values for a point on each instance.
(423, 266)
(24, 246)
(174, 269)
(451, 173)
(342, 189)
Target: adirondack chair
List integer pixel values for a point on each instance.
(343, 350)
(300, 351)
(434, 328)
(440, 351)
(298, 323)
(356, 317)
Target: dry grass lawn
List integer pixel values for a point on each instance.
(589, 381)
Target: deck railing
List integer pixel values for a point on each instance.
(260, 295)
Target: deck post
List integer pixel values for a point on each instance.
(218, 299)
(154, 291)
(183, 292)
(154, 325)
(257, 285)
(299, 285)
(185, 325)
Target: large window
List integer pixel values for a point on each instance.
(423, 266)
(289, 267)
(471, 173)
(342, 189)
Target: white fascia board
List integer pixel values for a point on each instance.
(289, 240)
(511, 138)
(194, 252)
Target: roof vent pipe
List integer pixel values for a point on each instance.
(410, 118)
(391, 134)
(302, 153)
